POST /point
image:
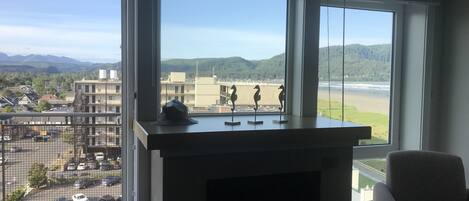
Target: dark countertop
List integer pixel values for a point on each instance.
(212, 134)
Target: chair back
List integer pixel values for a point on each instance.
(425, 176)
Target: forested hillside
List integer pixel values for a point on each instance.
(362, 63)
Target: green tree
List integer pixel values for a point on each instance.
(8, 109)
(43, 105)
(37, 175)
(39, 85)
(16, 195)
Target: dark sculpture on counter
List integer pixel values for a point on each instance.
(257, 98)
(281, 99)
(175, 113)
(233, 98)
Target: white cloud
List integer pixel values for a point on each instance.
(90, 44)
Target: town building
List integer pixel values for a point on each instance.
(100, 96)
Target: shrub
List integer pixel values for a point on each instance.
(37, 175)
(16, 195)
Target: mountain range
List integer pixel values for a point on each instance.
(362, 63)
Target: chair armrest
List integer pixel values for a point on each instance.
(381, 193)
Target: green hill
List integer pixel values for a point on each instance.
(362, 63)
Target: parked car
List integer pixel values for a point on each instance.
(115, 164)
(105, 165)
(99, 156)
(107, 198)
(110, 180)
(82, 183)
(29, 134)
(2, 161)
(7, 138)
(15, 149)
(82, 166)
(89, 157)
(41, 138)
(80, 197)
(92, 164)
(71, 166)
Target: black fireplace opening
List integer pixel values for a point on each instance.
(299, 186)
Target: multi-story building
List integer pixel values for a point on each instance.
(207, 94)
(100, 96)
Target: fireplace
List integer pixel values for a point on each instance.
(301, 186)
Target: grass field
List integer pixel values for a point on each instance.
(379, 122)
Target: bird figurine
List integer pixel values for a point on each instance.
(281, 97)
(233, 97)
(257, 97)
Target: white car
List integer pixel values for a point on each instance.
(82, 166)
(1, 160)
(99, 156)
(80, 197)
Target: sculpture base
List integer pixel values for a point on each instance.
(255, 122)
(284, 121)
(232, 123)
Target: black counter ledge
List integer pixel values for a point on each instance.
(211, 135)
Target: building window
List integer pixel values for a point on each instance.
(118, 89)
(87, 88)
(356, 85)
(182, 99)
(242, 51)
(182, 89)
(118, 109)
(110, 97)
(93, 88)
(176, 89)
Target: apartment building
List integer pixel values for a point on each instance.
(205, 94)
(100, 96)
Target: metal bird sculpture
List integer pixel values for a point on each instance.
(257, 97)
(281, 97)
(233, 97)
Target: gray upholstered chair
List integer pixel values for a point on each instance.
(422, 176)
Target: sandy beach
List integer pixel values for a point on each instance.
(363, 100)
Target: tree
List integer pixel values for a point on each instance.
(16, 195)
(43, 105)
(37, 175)
(8, 109)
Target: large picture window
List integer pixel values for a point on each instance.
(356, 68)
(207, 46)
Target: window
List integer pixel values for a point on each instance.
(356, 68)
(118, 89)
(238, 43)
(93, 88)
(118, 109)
(87, 88)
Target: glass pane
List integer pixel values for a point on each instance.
(365, 174)
(50, 56)
(355, 74)
(207, 46)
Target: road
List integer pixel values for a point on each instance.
(93, 192)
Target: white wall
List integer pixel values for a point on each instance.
(453, 132)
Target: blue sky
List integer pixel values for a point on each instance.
(253, 29)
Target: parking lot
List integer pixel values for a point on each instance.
(19, 163)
